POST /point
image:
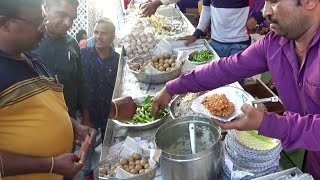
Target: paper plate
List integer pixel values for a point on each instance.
(237, 96)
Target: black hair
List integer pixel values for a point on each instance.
(11, 8)
(80, 33)
(55, 2)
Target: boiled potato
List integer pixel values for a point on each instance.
(130, 158)
(147, 166)
(171, 61)
(137, 162)
(140, 51)
(136, 156)
(142, 171)
(131, 167)
(134, 171)
(155, 59)
(132, 163)
(161, 57)
(145, 49)
(166, 65)
(136, 65)
(143, 39)
(161, 61)
(124, 161)
(103, 170)
(138, 167)
(143, 162)
(161, 68)
(168, 69)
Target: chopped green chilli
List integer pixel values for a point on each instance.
(143, 113)
(202, 56)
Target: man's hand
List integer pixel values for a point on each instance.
(67, 164)
(190, 39)
(126, 108)
(150, 8)
(251, 23)
(80, 133)
(251, 120)
(160, 101)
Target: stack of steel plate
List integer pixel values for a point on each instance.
(251, 153)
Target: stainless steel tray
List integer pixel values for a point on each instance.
(159, 78)
(292, 172)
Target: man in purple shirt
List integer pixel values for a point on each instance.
(292, 54)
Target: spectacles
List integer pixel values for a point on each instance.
(39, 23)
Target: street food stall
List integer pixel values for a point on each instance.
(181, 142)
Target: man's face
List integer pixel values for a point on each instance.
(103, 35)
(61, 17)
(286, 18)
(26, 29)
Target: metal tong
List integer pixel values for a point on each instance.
(263, 100)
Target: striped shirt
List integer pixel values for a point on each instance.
(228, 20)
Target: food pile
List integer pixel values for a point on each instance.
(162, 63)
(202, 56)
(143, 113)
(218, 105)
(166, 26)
(182, 105)
(139, 41)
(133, 164)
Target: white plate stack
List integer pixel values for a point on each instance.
(251, 155)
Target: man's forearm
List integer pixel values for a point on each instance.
(13, 164)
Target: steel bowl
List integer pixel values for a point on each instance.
(146, 176)
(160, 78)
(174, 104)
(145, 126)
(215, 56)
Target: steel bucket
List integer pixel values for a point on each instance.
(206, 163)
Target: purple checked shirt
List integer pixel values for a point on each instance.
(298, 88)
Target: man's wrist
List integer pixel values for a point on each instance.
(157, 3)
